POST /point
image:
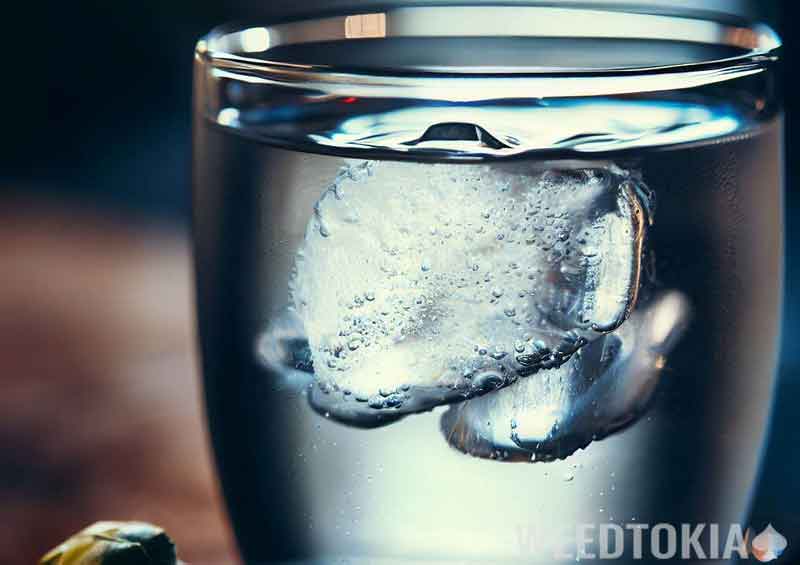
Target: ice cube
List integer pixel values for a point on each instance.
(424, 284)
(604, 387)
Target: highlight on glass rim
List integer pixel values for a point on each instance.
(353, 282)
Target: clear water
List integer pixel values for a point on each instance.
(432, 331)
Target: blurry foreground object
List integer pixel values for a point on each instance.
(115, 543)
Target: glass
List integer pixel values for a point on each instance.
(468, 277)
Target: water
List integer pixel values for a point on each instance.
(431, 329)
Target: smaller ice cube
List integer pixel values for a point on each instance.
(282, 348)
(604, 387)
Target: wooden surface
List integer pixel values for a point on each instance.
(100, 413)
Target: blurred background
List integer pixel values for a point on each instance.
(100, 414)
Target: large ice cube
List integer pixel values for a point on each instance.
(604, 387)
(423, 284)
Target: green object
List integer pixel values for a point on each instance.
(115, 543)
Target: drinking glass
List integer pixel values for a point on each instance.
(471, 276)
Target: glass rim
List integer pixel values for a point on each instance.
(232, 46)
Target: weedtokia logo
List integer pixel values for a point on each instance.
(768, 545)
(660, 541)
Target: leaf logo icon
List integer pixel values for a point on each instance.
(768, 545)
